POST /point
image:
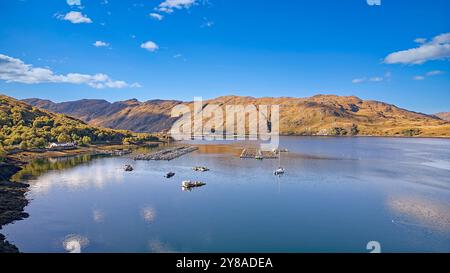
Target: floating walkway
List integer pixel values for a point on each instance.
(254, 153)
(167, 154)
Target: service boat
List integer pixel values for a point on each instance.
(192, 184)
(200, 169)
(169, 175)
(279, 171)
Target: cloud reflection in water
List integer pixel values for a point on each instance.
(75, 179)
(425, 213)
(74, 243)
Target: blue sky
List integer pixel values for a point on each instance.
(396, 52)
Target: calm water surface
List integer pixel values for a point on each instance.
(338, 194)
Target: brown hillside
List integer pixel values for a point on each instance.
(317, 115)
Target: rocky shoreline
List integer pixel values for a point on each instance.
(12, 201)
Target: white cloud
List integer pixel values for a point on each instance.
(15, 70)
(100, 44)
(359, 80)
(373, 2)
(443, 38)
(207, 23)
(74, 2)
(75, 17)
(429, 74)
(376, 79)
(168, 6)
(435, 73)
(166, 10)
(156, 16)
(420, 40)
(150, 46)
(372, 79)
(387, 76)
(436, 49)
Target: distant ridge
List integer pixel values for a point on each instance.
(444, 115)
(317, 115)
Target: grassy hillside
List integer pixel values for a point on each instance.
(24, 126)
(318, 115)
(345, 115)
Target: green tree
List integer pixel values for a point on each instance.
(39, 142)
(86, 140)
(24, 145)
(40, 122)
(127, 141)
(2, 154)
(63, 137)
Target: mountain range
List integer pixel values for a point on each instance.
(317, 115)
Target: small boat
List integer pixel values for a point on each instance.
(128, 168)
(258, 157)
(279, 171)
(170, 175)
(192, 184)
(200, 169)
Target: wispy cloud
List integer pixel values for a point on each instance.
(15, 70)
(376, 79)
(156, 16)
(386, 76)
(435, 73)
(373, 2)
(207, 23)
(74, 17)
(168, 6)
(100, 44)
(436, 49)
(150, 46)
(428, 74)
(74, 2)
(420, 40)
(179, 57)
(359, 80)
